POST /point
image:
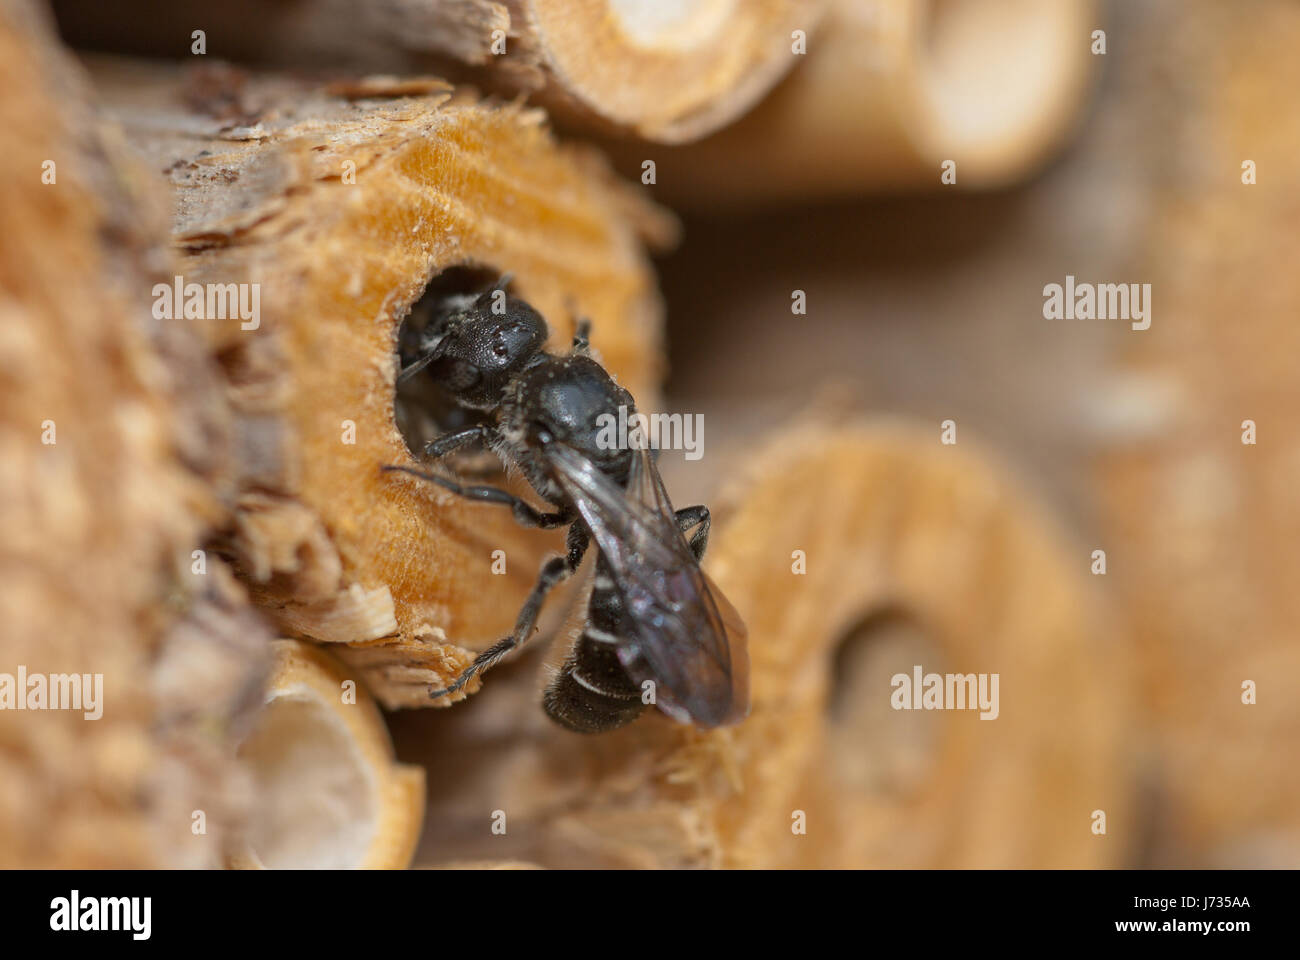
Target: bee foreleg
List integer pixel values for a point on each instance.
(524, 512)
(688, 517)
(439, 447)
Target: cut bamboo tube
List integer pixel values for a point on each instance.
(112, 433)
(950, 566)
(916, 554)
(891, 90)
(341, 204)
(668, 70)
(327, 792)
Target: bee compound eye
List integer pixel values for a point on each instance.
(458, 375)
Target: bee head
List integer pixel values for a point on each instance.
(485, 346)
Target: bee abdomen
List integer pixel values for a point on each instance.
(592, 692)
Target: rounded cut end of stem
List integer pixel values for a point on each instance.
(671, 24)
(328, 792)
(671, 70)
(997, 81)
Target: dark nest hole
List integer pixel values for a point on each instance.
(421, 409)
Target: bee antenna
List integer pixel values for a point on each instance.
(415, 366)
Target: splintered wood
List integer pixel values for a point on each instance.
(112, 437)
(329, 210)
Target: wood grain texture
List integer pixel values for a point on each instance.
(260, 168)
(112, 436)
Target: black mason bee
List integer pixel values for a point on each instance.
(654, 620)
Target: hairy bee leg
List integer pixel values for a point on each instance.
(554, 572)
(525, 514)
(688, 517)
(439, 447)
(484, 661)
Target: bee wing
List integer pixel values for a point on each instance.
(686, 637)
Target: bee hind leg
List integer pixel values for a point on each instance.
(698, 516)
(554, 571)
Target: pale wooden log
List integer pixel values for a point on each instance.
(667, 70)
(890, 91)
(394, 570)
(890, 520)
(113, 435)
(327, 793)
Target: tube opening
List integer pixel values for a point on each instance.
(316, 805)
(421, 410)
(874, 748)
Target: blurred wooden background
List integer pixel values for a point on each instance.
(931, 305)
